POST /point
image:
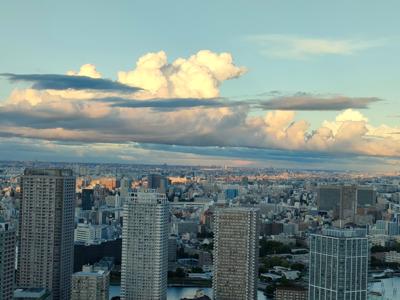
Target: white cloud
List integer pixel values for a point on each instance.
(295, 47)
(198, 76)
(88, 70)
(75, 115)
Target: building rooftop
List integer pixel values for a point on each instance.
(48, 172)
(344, 232)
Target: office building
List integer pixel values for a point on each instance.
(7, 261)
(236, 253)
(157, 182)
(46, 231)
(145, 246)
(341, 199)
(87, 199)
(90, 284)
(338, 265)
(366, 196)
(344, 200)
(90, 234)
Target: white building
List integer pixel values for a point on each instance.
(90, 234)
(145, 246)
(338, 265)
(90, 284)
(46, 231)
(236, 253)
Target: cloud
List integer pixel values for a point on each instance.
(295, 47)
(65, 82)
(298, 102)
(198, 76)
(309, 102)
(96, 117)
(88, 70)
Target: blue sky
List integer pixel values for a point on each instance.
(347, 48)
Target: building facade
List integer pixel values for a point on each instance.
(290, 293)
(145, 246)
(90, 284)
(236, 253)
(7, 261)
(338, 265)
(344, 200)
(46, 231)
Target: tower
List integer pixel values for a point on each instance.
(338, 265)
(7, 261)
(46, 231)
(236, 253)
(145, 246)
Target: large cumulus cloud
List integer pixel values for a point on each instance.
(149, 114)
(198, 76)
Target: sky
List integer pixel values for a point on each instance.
(292, 84)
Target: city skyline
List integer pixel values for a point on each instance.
(267, 85)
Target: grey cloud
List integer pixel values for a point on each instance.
(299, 102)
(63, 82)
(308, 102)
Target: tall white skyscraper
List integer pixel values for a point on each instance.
(236, 253)
(338, 265)
(145, 246)
(7, 261)
(46, 231)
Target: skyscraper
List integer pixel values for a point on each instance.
(145, 246)
(338, 265)
(87, 199)
(341, 199)
(236, 254)
(7, 261)
(157, 182)
(46, 231)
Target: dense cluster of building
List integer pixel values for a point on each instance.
(295, 235)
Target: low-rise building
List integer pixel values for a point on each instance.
(90, 284)
(290, 293)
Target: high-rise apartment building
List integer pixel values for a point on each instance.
(7, 261)
(236, 253)
(338, 265)
(145, 246)
(46, 231)
(90, 284)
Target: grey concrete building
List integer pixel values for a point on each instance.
(236, 253)
(7, 261)
(46, 231)
(90, 284)
(338, 265)
(145, 246)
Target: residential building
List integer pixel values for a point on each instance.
(338, 265)
(7, 260)
(90, 284)
(236, 253)
(46, 231)
(145, 246)
(290, 293)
